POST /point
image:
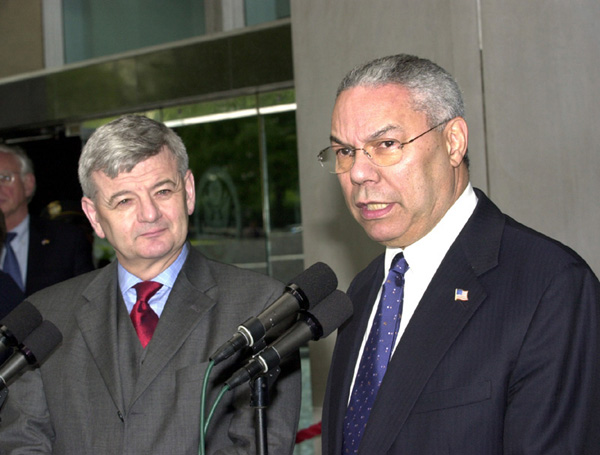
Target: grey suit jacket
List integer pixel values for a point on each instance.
(78, 402)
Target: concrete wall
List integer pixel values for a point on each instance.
(21, 47)
(529, 75)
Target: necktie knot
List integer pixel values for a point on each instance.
(143, 317)
(399, 266)
(10, 236)
(146, 289)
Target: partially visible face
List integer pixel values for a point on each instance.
(399, 204)
(14, 197)
(143, 213)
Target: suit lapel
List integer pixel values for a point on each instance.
(186, 306)
(347, 349)
(435, 325)
(97, 320)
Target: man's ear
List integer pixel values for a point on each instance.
(189, 186)
(457, 140)
(89, 208)
(29, 185)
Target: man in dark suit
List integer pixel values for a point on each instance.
(138, 333)
(47, 252)
(494, 342)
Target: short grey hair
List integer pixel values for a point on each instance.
(433, 90)
(24, 161)
(120, 145)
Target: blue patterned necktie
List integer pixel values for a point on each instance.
(376, 355)
(11, 265)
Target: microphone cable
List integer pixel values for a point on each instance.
(204, 419)
(201, 446)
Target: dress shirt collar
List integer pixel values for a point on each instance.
(167, 278)
(426, 254)
(22, 227)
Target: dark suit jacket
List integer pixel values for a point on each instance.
(57, 251)
(83, 400)
(10, 294)
(513, 370)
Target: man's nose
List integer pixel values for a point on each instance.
(363, 167)
(149, 209)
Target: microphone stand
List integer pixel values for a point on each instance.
(3, 395)
(259, 400)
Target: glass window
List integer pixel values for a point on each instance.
(259, 11)
(235, 163)
(96, 28)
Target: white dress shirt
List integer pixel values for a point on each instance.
(423, 258)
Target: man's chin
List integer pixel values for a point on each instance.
(378, 237)
(159, 249)
(383, 238)
(156, 252)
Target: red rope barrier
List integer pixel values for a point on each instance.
(308, 433)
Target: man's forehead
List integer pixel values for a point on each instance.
(395, 92)
(164, 161)
(139, 178)
(9, 162)
(371, 111)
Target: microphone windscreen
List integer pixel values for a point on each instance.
(42, 341)
(22, 320)
(333, 311)
(316, 282)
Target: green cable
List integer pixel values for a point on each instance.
(224, 390)
(201, 448)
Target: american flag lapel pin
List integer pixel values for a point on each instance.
(461, 294)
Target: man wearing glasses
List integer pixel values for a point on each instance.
(471, 334)
(37, 252)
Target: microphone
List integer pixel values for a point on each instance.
(302, 293)
(15, 326)
(34, 350)
(313, 325)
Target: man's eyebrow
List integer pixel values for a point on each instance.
(163, 183)
(335, 139)
(376, 135)
(383, 131)
(119, 194)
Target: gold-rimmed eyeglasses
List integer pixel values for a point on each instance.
(338, 159)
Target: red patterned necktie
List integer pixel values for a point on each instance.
(143, 317)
